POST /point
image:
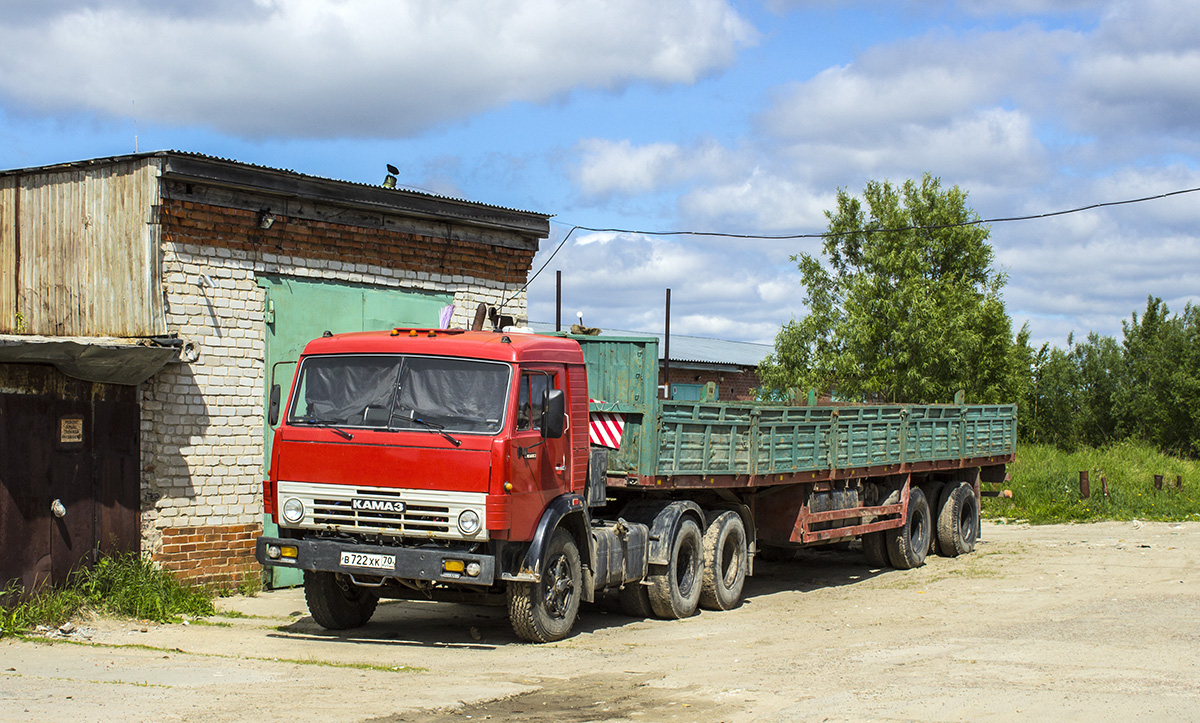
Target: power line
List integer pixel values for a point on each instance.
(831, 234)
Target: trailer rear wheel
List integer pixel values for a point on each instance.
(545, 611)
(908, 544)
(335, 602)
(874, 545)
(675, 587)
(725, 561)
(958, 522)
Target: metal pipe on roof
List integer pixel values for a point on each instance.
(667, 348)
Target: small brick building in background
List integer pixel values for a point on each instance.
(195, 281)
(732, 366)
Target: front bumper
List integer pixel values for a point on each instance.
(412, 563)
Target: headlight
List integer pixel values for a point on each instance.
(293, 510)
(468, 522)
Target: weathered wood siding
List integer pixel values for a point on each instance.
(79, 251)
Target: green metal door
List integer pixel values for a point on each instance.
(299, 311)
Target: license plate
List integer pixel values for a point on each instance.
(377, 562)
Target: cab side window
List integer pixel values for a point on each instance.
(531, 393)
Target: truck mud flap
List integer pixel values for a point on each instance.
(559, 509)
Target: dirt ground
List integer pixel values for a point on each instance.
(1073, 622)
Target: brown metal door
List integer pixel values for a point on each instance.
(68, 486)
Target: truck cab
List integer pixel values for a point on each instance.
(419, 462)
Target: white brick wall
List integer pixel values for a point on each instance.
(202, 422)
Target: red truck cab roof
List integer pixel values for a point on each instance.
(496, 346)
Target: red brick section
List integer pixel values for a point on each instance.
(216, 555)
(235, 229)
(734, 386)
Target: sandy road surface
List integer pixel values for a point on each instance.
(1081, 622)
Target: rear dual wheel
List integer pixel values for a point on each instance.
(726, 558)
(674, 589)
(908, 544)
(958, 521)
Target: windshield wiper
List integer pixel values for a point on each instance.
(439, 428)
(324, 424)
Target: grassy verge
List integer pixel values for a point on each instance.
(1045, 485)
(125, 585)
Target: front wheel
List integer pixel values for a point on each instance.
(675, 587)
(335, 602)
(545, 611)
(908, 544)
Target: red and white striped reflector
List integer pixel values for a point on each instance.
(606, 429)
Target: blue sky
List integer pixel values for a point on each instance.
(703, 115)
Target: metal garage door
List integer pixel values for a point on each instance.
(69, 478)
(299, 311)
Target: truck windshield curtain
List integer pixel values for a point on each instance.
(401, 392)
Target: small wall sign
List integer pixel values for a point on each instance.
(70, 430)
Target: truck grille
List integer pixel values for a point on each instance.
(398, 513)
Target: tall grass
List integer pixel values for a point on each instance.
(123, 585)
(1045, 485)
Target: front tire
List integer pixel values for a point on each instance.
(545, 611)
(908, 544)
(725, 561)
(675, 587)
(958, 522)
(335, 602)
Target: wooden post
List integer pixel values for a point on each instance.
(1178, 481)
(1104, 485)
(1158, 482)
(1084, 491)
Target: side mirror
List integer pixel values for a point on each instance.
(554, 414)
(273, 407)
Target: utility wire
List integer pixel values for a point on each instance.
(832, 234)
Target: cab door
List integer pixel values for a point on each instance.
(540, 466)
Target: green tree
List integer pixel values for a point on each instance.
(1157, 399)
(905, 306)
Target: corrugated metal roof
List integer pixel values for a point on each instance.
(92, 162)
(694, 349)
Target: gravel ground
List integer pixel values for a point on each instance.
(1065, 622)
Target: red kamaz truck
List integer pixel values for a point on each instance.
(543, 470)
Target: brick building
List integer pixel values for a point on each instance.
(152, 298)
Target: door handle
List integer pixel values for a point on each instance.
(58, 509)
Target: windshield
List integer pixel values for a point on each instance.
(401, 392)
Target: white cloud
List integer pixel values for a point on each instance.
(719, 289)
(322, 68)
(618, 167)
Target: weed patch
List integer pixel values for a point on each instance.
(1045, 485)
(123, 586)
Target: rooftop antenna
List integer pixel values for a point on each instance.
(389, 181)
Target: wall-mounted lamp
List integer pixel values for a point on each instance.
(265, 219)
(204, 281)
(389, 181)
